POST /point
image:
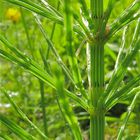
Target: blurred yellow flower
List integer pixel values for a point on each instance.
(13, 15)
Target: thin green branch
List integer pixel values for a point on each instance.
(130, 109)
(130, 14)
(84, 27)
(120, 54)
(85, 13)
(107, 13)
(45, 62)
(84, 8)
(27, 33)
(123, 93)
(48, 12)
(52, 32)
(50, 44)
(43, 107)
(119, 73)
(70, 48)
(66, 108)
(80, 47)
(51, 8)
(5, 137)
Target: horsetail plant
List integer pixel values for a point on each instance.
(92, 24)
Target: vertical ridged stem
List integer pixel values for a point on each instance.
(96, 89)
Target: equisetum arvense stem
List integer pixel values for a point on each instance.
(96, 71)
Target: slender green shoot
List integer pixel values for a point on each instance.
(121, 70)
(120, 54)
(66, 108)
(70, 48)
(130, 14)
(123, 93)
(43, 107)
(130, 109)
(27, 32)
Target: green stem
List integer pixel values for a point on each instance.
(71, 49)
(52, 32)
(27, 32)
(97, 128)
(43, 106)
(96, 90)
(96, 72)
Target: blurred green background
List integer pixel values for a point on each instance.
(25, 89)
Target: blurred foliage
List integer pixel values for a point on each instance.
(24, 88)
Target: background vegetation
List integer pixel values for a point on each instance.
(24, 88)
